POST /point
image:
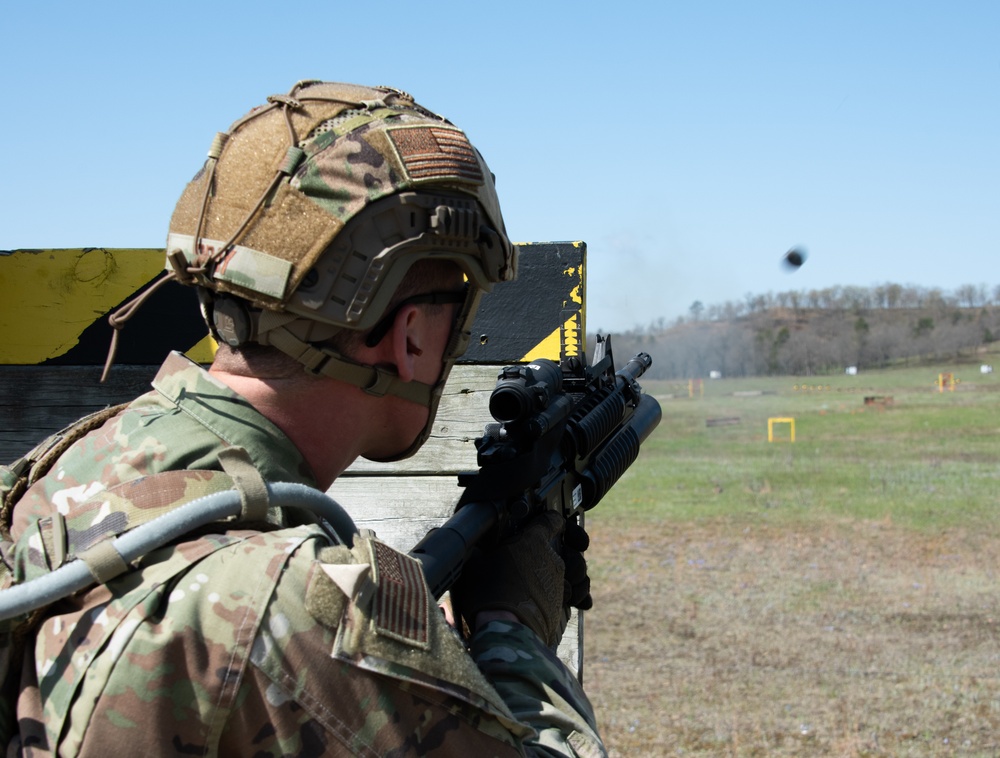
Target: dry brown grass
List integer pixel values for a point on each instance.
(854, 639)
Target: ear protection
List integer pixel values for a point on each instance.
(232, 320)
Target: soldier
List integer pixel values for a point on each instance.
(349, 231)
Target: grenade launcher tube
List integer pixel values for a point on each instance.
(611, 461)
(599, 414)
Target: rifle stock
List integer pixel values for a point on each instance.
(565, 433)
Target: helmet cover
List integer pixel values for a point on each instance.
(311, 209)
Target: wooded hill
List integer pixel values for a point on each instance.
(819, 332)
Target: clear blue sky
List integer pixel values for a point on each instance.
(689, 144)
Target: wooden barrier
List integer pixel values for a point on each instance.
(53, 315)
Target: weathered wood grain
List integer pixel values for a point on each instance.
(36, 401)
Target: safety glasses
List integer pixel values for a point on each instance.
(431, 298)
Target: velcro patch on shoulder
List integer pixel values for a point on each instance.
(435, 153)
(402, 603)
(325, 596)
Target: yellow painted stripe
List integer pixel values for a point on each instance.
(550, 347)
(547, 348)
(50, 296)
(204, 351)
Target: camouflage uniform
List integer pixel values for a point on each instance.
(263, 641)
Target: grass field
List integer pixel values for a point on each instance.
(832, 596)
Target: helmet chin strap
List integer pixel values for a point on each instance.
(325, 361)
(267, 327)
(374, 380)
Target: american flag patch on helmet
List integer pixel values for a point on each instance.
(402, 601)
(436, 152)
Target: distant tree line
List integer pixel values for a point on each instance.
(818, 331)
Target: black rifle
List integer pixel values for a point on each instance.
(565, 433)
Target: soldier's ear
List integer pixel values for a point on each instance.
(406, 339)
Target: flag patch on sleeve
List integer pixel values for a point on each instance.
(402, 601)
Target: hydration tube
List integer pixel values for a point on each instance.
(132, 545)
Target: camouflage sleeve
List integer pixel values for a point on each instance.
(352, 657)
(538, 689)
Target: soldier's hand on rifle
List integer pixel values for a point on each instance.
(577, 581)
(536, 576)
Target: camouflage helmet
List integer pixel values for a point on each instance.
(310, 211)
